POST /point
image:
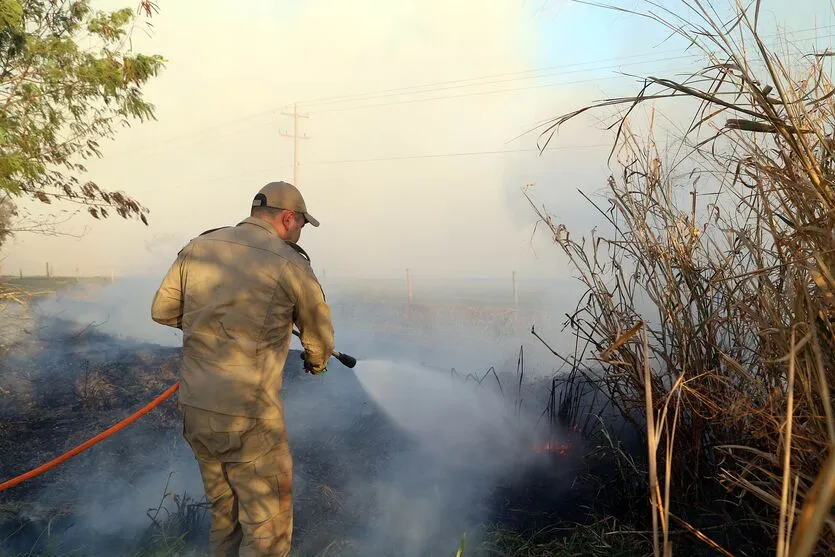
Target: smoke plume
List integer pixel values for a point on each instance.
(408, 448)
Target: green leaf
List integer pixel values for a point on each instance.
(68, 78)
(462, 547)
(11, 15)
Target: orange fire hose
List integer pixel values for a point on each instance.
(87, 444)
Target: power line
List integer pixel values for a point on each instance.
(473, 94)
(459, 154)
(201, 132)
(509, 80)
(549, 72)
(443, 86)
(375, 105)
(393, 158)
(477, 93)
(460, 83)
(496, 91)
(233, 175)
(206, 129)
(547, 69)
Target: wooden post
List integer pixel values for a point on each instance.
(515, 291)
(409, 283)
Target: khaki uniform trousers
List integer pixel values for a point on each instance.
(247, 472)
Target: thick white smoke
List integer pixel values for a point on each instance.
(443, 445)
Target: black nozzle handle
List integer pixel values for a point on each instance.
(345, 359)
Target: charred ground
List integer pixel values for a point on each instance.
(362, 486)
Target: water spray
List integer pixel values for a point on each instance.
(345, 359)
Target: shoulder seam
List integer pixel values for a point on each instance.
(213, 230)
(273, 252)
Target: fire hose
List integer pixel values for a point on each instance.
(345, 359)
(89, 443)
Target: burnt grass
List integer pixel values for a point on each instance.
(61, 383)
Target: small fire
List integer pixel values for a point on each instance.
(560, 449)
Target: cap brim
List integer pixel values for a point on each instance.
(309, 218)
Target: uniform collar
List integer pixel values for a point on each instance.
(259, 223)
(270, 230)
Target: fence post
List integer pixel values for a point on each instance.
(515, 291)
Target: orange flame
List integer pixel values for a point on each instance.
(559, 449)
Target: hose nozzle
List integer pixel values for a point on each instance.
(345, 359)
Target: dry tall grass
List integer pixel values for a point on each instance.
(711, 303)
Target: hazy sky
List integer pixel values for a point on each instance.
(397, 180)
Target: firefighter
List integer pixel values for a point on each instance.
(236, 293)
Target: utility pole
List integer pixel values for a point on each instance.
(296, 137)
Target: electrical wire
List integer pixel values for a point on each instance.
(549, 72)
(453, 154)
(446, 86)
(457, 154)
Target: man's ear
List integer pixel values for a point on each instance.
(287, 219)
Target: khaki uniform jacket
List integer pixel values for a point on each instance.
(235, 293)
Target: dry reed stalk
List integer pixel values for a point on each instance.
(783, 534)
(652, 447)
(739, 272)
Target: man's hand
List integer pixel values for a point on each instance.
(308, 368)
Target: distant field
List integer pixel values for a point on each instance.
(465, 291)
(478, 309)
(15, 286)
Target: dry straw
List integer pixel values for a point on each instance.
(711, 301)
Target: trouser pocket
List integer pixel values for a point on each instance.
(265, 502)
(222, 437)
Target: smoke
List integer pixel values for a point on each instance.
(64, 383)
(118, 507)
(413, 450)
(121, 309)
(214, 143)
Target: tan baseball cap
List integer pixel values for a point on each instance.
(281, 195)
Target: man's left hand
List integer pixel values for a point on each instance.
(308, 368)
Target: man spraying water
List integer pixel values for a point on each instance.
(236, 292)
